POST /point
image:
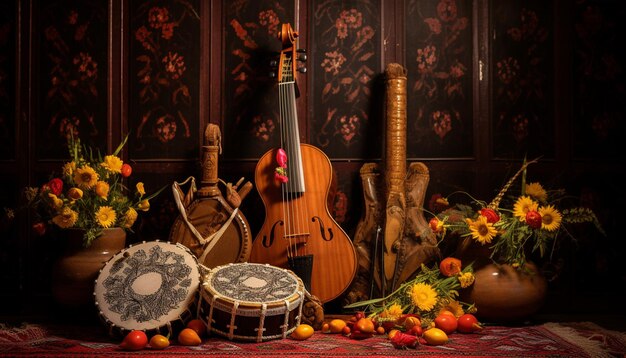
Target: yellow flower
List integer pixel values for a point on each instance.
(105, 216)
(56, 202)
(454, 307)
(144, 205)
(466, 279)
(395, 310)
(140, 188)
(68, 169)
(481, 230)
(129, 218)
(523, 205)
(66, 218)
(74, 193)
(112, 164)
(550, 218)
(423, 296)
(536, 191)
(102, 189)
(85, 177)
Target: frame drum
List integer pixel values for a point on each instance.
(251, 302)
(151, 286)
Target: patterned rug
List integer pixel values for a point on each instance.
(548, 340)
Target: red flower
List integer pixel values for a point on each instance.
(56, 186)
(39, 228)
(450, 266)
(490, 214)
(533, 219)
(403, 340)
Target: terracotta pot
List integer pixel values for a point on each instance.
(503, 293)
(74, 273)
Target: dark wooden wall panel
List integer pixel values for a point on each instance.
(439, 63)
(345, 64)
(8, 28)
(251, 116)
(72, 73)
(164, 76)
(523, 74)
(599, 76)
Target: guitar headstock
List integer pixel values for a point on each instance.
(289, 56)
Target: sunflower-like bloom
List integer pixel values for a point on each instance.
(112, 163)
(143, 205)
(550, 218)
(395, 310)
(453, 307)
(66, 218)
(102, 189)
(129, 218)
(74, 194)
(537, 192)
(523, 205)
(85, 177)
(424, 296)
(68, 169)
(481, 230)
(105, 216)
(140, 188)
(466, 279)
(56, 202)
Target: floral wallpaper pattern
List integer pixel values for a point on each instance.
(7, 79)
(439, 64)
(164, 89)
(522, 70)
(73, 75)
(346, 61)
(250, 99)
(599, 73)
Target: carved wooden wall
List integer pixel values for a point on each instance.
(488, 83)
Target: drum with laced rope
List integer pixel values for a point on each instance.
(152, 286)
(251, 302)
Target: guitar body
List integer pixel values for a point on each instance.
(319, 235)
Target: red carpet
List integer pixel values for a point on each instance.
(548, 340)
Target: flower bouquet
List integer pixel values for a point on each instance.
(89, 194)
(531, 221)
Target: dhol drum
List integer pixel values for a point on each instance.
(251, 302)
(152, 286)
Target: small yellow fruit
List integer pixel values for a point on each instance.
(325, 328)
(435, 337)
(336, 325)
(302, 332)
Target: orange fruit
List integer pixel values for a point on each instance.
(411, 322)
(435, 337)
(364, 325)
(325, 328)
(302, 332)
(188, 337)
(336, 325)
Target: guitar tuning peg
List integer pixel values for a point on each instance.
(302, 57)
(302, 69)
(272, 74)
(273, 63)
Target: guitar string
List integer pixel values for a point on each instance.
(284, 186)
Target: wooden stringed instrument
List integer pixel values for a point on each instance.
(298, 232)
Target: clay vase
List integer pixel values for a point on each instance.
(501, 292)
(74, 273)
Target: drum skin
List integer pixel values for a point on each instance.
(251, 302)
(152, 286)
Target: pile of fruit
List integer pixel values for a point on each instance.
(406, 331)
(191, 335)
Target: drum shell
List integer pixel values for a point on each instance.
(218, 311)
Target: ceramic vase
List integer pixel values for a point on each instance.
(74, 273)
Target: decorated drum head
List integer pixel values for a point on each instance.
(253, 283)
(149, 286)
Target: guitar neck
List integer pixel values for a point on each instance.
(290, 138)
